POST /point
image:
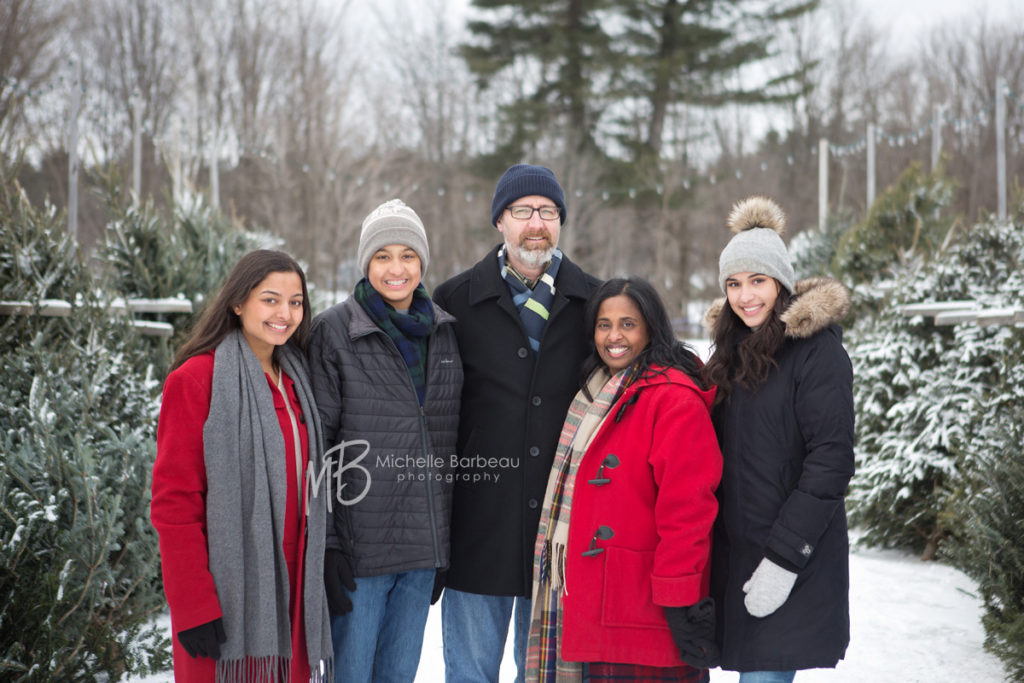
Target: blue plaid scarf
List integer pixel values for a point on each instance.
(409, 332)
(534, 305)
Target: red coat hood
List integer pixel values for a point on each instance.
(661, 375)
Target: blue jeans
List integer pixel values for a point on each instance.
(767, 676)
(474, 628)
(381, 638)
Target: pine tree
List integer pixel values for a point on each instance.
(990, 546)
(903, 226)
(79, 578)
(559, 51)
(925, 392)
(186, 255)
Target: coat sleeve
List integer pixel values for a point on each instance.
(178, 508)
(823, 402)
(325, 375)
(687, 467)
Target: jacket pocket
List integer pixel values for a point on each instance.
(626, 598)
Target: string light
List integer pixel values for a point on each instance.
(101, 108)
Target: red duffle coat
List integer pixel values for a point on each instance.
(178, 512)
(659, 502)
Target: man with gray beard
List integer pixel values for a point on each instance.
(519, 326)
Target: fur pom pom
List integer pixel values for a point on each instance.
(756, 212)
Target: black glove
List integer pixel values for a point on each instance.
(338, 573)
(439, 578)
(204, 640)
(693, 630)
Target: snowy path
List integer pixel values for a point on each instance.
(912, 622)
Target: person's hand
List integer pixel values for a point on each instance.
(768, 588)
(204, 640)
(439, 578)
(693, 631)
(338, 573)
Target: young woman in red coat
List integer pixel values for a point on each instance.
(622, 555)
(241, 536)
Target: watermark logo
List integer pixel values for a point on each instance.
(346, 479)
(334, 468)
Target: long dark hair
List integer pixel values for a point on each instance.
(219, 317)
(664, 350)
(744, 356)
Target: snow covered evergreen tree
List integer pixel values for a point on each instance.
(813, 252)
(990, 547)
(902, 227)
(79, 568)
(186, 255)
(924, 392)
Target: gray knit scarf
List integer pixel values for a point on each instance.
(245, 505)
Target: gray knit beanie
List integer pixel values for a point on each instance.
(757, 246)
(392, 223)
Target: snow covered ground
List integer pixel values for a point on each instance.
(912, 622)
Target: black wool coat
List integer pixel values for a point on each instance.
(513, 405)
(788, 458)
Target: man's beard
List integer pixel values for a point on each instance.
(534, 258)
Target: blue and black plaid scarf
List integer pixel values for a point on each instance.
(409, 332)
(534, 304)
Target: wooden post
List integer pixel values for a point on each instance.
(176, 183)
(1001, 145)
(871, 165)
(136, 146)
(822, 182)
(214, 170)
(76, 104)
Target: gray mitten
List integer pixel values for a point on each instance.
(768, 588)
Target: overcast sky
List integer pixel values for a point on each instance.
(903, 19)
(915, 15)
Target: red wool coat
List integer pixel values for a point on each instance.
(178, 511)
(660, 503)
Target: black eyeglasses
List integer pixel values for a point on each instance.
(525, 213)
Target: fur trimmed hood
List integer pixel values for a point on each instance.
(817, 303)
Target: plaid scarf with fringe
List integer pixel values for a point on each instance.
(582, 422)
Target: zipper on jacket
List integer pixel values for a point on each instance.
(424, 437)
(424, 434)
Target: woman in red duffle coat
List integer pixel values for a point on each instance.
(622, 588)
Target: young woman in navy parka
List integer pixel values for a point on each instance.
(784, 420)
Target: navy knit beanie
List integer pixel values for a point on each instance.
(523, 180)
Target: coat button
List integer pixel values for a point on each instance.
(535, 400)
(522, 352)
(533, 503)
(534, 451)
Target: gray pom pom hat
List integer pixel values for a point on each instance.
(757, 246)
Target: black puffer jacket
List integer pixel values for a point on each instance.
(788, 457)
(364, 391)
